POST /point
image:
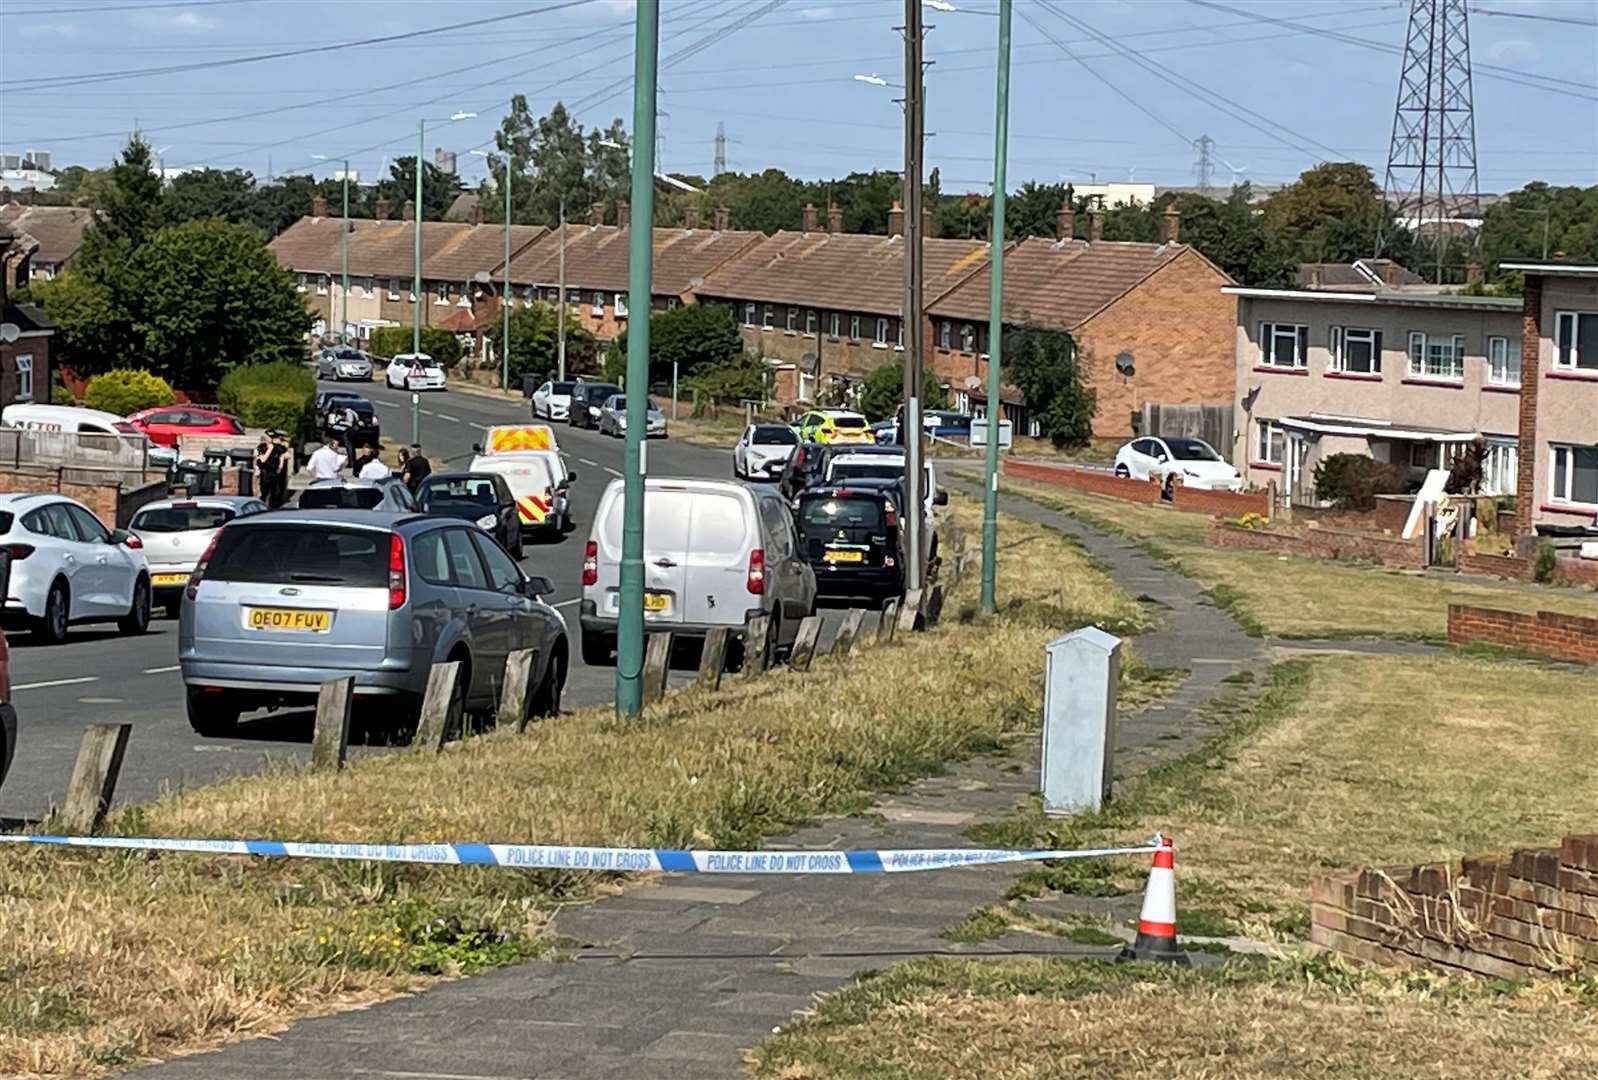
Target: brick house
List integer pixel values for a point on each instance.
(58, 231)
(27, 332)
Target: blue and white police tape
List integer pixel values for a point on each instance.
(574, 857)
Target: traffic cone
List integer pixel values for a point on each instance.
(1156, 926)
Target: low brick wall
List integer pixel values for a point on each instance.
(1318, 542)
(113, 502)
(1100, 482)
(1547, 633)
(1569, 571)
(1530, 912)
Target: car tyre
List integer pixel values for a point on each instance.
(52, 627)
(597, 649)
(546, 699)
(516, 551)
(213, 715)
(1123, 472)
(137, 620)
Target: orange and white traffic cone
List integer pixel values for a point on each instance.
(1156, 926)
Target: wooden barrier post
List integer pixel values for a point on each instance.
(888, 623)
(432, 728)
(804, 644)
(910, 610)
(657, 660)
(513, 691)
(713, 658)
(757, 652)
(94, 777)
(331, 740)
(934, 606)
(849, 633)
(824, 646)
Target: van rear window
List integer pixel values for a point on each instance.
(309, 554)
(340, 498)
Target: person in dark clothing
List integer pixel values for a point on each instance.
(277, 456)
(414, 467)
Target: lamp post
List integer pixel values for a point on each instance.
(504, 288)
(344, 252)
(416, 285)
(1001, 150)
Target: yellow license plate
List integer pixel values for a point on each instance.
(656, 601)
(311, 622)
(843, 556)
(168, 579)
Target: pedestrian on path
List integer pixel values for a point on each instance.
(371, 467)
(275, 475)
(326, 463)
(414, 467)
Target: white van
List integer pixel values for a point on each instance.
(529, 459)
(67, 418)
(715, 553)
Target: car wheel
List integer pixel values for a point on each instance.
(597, 649)
(137, 620)
(1123, 472)
(212, 714)
(52, 627)
(546, 700)
(516, 551)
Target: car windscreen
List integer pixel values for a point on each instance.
(867, 470)
(1192, 450)
(775, 436)
(340, 498)
(350, 354)
(850, 423)
(561, 388)
(176, 519)
(448, 496)
(6, 518)
(834, 511)
(313, 554)
(596, 393)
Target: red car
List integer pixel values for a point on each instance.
(165, 423)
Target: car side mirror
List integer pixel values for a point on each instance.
(477, 448)
(537, 585)
(119, 536)
(940, 498)
(566, 483)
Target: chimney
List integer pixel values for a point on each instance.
(381, 211)
(895, 220)
(408, 211)
(690, 218)
(624, 213)
(834, 219)
(1170, 224)
(1095, 225)
(1065, 222)
(318, 206)
(723, 215)
(807, 218)
(1473, 274)
(596, 214)
(926, 223)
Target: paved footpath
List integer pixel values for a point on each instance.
(684, 974)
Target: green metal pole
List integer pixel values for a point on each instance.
(630, 620)
(344, 258)
(504, 291)
(1001, 150)
(416, 307)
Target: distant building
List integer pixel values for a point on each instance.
(57, 230)
(444, 161)
(25, 179)
(41, 159)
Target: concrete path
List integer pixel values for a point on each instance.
(684, 974)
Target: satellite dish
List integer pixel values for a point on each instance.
(1123, 364)
(9, 332)
(808, 362)
(483, 277)
(972, 382)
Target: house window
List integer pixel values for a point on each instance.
(854, 328)
(749, 313)
(1425, 455)
(1436, 356)
(1500, 467)
(1268, 446)
(835, 322)
(393, 288)
(898, 337)
(1575, 475)
(945, 334)
(598, 307)
(968, 338)
(441, 293)
(793, 319)
(671, 303)
(812, 321)
(368, 288)
(527, 296)
(620, 305)
(1356, 350)
(321, 285)
(1576, 340)
(768, 318)
(881, 340)
(304, 282)
(465, 297)
(1503, 363)
(25, 377)
(1284, 345)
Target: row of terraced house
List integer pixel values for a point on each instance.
(1361, 357)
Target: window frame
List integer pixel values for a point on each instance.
(1511, 363)
(835, 321)
(1338, 340)
(1571, 346)
(618, 305)
(1427, 342)
(392, 285)
(596, 306)
(749, 313)
(1563, 494)
(945, 334)
(1502, 457)
(24, 365)
(1270, 331)
(854, 328)
(1270, 437)
(812, 322)
(768, 317)
(880, 341)
(969, 338)
(791, 320)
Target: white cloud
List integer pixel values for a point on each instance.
(188, 20)
(1514, 51)
(175, 22)
(61, 29)
(818, 13)
(620, 7)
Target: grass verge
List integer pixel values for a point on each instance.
(111, 958)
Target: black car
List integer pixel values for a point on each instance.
(852, 538)
(480, 497)
(588, 398)
(332, 402)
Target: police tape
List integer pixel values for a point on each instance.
(575, 857)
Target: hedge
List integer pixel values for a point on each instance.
(390, 341)
(276, 395)
(124, 391)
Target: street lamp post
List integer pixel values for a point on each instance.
(504, 288)
(560, 308)
(344, 252)
(1001, 150)
(416, 286)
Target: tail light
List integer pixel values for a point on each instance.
(132, 541)
(757, 571)
(193, 586)
(396, 571)
(19, 551)
(890, 515)
(591, 564)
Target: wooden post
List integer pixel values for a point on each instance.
(657, 660)
(824, 646)
(909, 610)
(849, 632)
(513, 691)
(757, 656)
(934, 606)
(94, 777)
(331, 741)
(713, 658)
(889, 623)
(804, 645)
(433, 726)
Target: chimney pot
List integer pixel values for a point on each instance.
(1095, 225)
(1065, 222)
(834, 219)
(895, 219)
(596, 214)
(1170, 224)
(623, 213)
(690, 218)
(381, 210)
(318, 206)
(807, 218)
(408, 211)
(723, 216)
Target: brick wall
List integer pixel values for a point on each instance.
(112, 502)
(39, 349)
(1318, 542)
(1512, 916)
(1100, 482)
(1547, 633)
(1181, 332)
(1568, 571)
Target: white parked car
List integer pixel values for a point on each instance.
(67, 567)
(553, 401)
(176, 533)
(1193, 462)
(762, 451)
(414, 371)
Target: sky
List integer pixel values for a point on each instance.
(780, 76)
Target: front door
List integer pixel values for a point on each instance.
(1299, 486)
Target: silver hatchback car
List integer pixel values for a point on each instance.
(286, 600)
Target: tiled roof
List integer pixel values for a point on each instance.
(480, 247)
(841, 271)
(451, 251)
(596, 257)
(1056, 283)
(58, 229)
(1362, 274)
(464, 208)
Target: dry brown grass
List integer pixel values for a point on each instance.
(110, 958)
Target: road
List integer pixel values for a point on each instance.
(99, 677)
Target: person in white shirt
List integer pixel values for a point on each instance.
(326, 463)
(374, 469)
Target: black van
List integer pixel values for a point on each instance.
(852, 538)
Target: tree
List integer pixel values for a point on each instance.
(131, 208)
(883, 392)
(439, 189)
(274, 207)
(1537, 222)
(1043, 364)
(1232, 236)
(534, 342)
(203, 193)
(1032, 210)
(694, 337)
(1335, 212)
(441, 345)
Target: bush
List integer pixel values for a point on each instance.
(277, 395)
(534, 343)
(1352, 481)
(60, 395)
(1546, 568)
(883, 392)
(390, 341)
(695, 337)
(734, 381)
(126, 390)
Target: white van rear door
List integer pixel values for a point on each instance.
(721, 532)
(666, 517)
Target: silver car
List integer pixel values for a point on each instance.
(613, 418)
(286, 600)
(176, 533)
(715, 553)
(390, 494)
(340, 363)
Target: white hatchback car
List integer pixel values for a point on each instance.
(67, 567)
(176, 533)
(414, 371)
(1194, 462)
(553, 401)
(762, 451)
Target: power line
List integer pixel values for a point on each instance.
(97, 9)
(1533, 15)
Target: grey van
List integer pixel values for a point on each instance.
(284, 601)
(715, 552)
